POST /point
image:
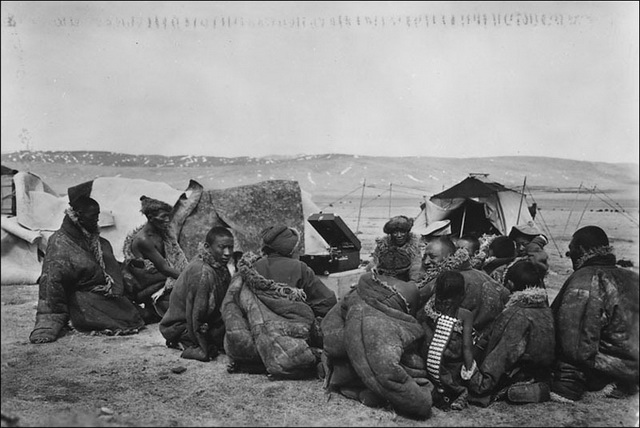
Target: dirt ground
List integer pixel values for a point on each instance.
(85, 380)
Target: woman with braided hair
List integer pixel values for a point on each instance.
(448, 346)
(398, 236)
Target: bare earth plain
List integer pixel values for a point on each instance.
(93, 380)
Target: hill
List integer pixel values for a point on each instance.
(331, 174)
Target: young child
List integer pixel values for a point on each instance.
(448, 347)
(193, 321)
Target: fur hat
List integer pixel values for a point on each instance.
(528, 229)
(281, 239)
(398, 223)
(152, 206)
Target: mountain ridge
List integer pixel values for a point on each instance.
(330, 173)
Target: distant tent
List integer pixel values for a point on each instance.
(475, 206)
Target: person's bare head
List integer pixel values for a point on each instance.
(584, 240)
(469, 243)
(87, 211)
(438, 249)
(219, 242)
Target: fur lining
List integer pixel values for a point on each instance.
(454, 262)
(257, 282)
(530, 297)
(206, 256)
(604, 250)
(375, 276)
(93, 239)
(410, 248)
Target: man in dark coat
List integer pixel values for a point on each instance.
(372, 341)
(81, 280)
(596, 316)
(281, 264)
(193, 320)
(520, 352)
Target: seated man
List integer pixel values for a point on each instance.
(193, 320)
(81, 280)
(596, 321)
(398, 235)
(530, 242)
(520, 352)
(153, 259)
(273, 309)
(484, 297)
(371, 341)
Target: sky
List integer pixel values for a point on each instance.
(443, 79)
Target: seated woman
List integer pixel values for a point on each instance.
(519, 356)
(399, 236)
(81, 280)
(371, 341)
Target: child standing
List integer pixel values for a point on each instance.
(448, 347)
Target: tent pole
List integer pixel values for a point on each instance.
(389, 200)
(571, 210)
(464, 217)
(426, 219)
(521, 199)
(364, 183)
(585, 207)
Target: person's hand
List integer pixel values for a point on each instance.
(42, 340)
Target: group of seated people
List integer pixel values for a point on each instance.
(431, 321)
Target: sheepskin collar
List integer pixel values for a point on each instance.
(530, 297)
(597, 256)
(259, 283)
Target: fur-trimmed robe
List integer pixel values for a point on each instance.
(269, 323)
(372, 333)
(71, 284)
(411, 248)
(195, 301)
(522, 340)
(596, 321)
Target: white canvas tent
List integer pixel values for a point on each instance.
(475, 206)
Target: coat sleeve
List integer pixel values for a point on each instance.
(578, 321)
(52, 313)
(507, 344)
(319, 297)
(199, 301)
